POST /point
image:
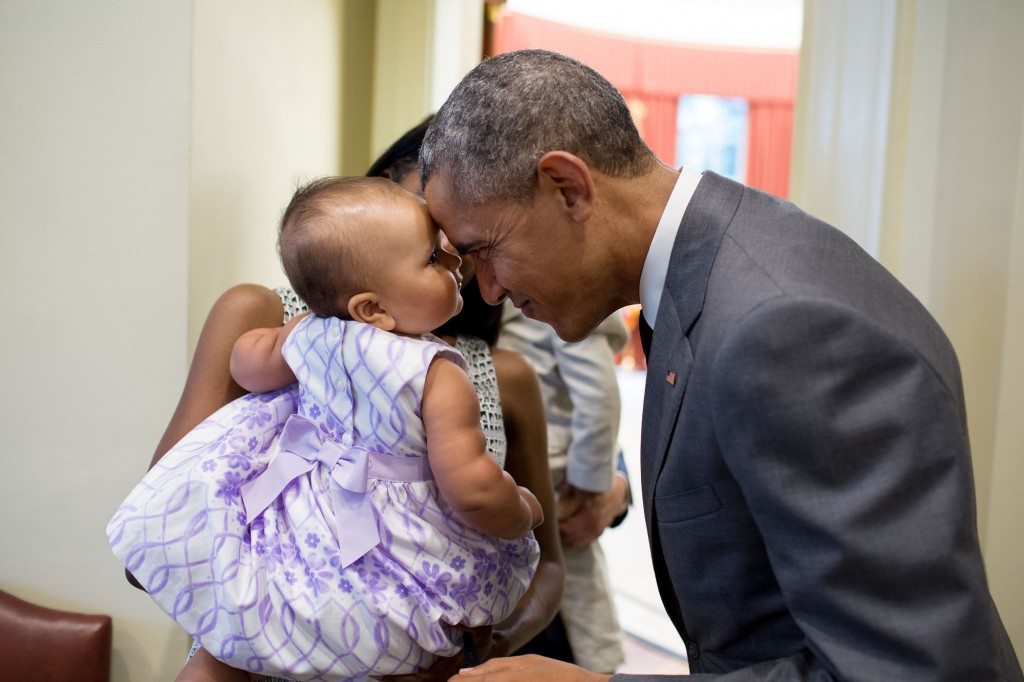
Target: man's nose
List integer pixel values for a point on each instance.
(492, 292)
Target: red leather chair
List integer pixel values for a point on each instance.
(37, 643)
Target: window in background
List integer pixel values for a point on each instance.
(711, 134)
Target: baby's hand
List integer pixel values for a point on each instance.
(534, 505)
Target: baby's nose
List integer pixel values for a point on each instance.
(452, 260)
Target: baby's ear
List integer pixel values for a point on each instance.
(365, 307)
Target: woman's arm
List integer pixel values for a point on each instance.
(527, 461)
(209, 385)
(486, 497)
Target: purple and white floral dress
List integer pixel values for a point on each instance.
(307, 539)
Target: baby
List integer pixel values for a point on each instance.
(347, 535)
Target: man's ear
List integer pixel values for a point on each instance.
(569, 176)
(365, 307)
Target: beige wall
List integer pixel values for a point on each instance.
(266, 109)
(280, 96)
(1004, 549)
(147, 150)
(940, 205)
(423, 49)
(94, 133)
(402, 69)
(358, 40)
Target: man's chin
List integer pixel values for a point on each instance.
(568, 330)
(572, 335)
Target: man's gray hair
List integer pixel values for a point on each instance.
(514, 108)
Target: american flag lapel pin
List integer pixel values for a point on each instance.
(671, 378)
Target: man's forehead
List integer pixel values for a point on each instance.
(438, 200)
(467, 226)
(465, 235)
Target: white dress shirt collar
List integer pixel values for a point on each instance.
(652, 279)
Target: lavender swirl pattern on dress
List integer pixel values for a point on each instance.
(275, 596)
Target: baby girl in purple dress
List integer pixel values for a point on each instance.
(348, 534)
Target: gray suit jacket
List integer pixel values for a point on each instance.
(806, 471)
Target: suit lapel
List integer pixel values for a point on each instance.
(711, 209)
(668, 370)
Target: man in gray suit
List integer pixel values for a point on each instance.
(806, 469)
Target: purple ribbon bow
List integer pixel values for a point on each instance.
(300, 448)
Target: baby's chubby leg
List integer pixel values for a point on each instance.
(205, 668)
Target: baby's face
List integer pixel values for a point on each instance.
(411, 182)
(421, 279)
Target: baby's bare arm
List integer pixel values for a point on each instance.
(257, 361)
(486, 497)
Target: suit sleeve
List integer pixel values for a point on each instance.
(620, 468)
(852, 455)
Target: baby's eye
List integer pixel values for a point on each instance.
(433, 257)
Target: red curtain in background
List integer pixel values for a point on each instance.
(652, 76)
(769, 141)
(655, 117)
